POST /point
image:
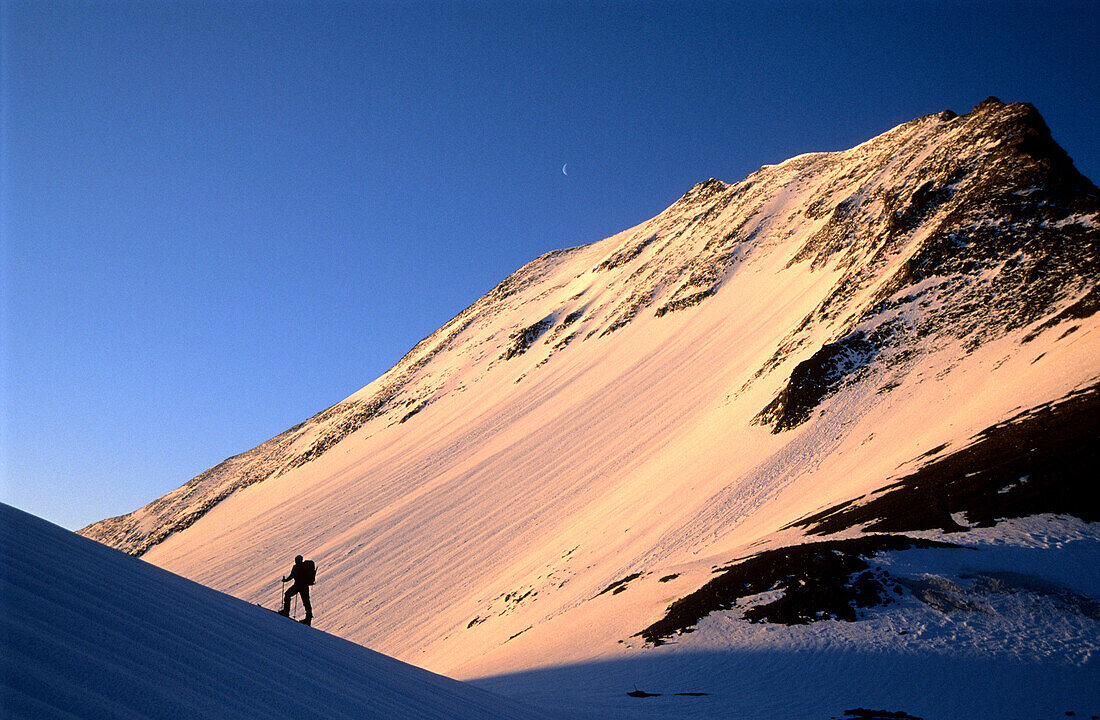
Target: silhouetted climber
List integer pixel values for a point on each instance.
(303, 574)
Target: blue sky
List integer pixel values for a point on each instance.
(220, 218)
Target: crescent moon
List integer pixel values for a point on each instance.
(563, 169)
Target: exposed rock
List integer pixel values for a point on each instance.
(941, 594)
(624, 255)
(820, 581)
(523, 339)
(866, 714)
(1087, 306)
(619, 585)
(815, 379)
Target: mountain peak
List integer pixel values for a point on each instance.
(914, 216)
(989, 103)
(669, 397)
(1026, 138)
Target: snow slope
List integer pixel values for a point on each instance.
(509, 497)
(89, 632)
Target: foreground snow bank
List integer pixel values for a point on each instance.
(89, 632)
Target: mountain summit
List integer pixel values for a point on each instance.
(535, 482)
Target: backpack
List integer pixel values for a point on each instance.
(309, 574)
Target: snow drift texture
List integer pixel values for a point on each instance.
(648, 408)
(89, 632)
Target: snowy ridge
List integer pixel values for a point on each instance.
(643, 410)
(91, 633)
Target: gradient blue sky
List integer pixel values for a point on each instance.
(220, 218)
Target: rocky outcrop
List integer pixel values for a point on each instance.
(815, 379)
